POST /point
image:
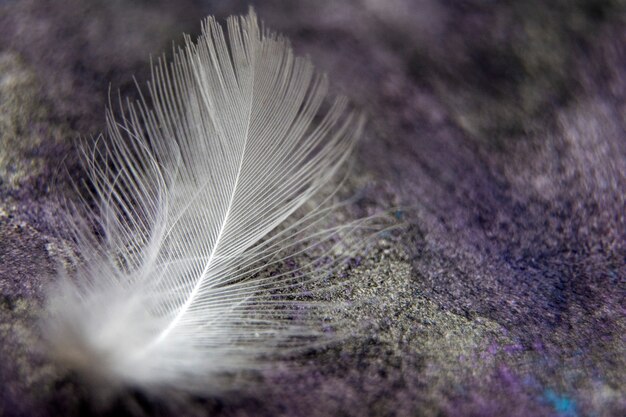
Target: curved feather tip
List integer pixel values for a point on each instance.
(201, 188)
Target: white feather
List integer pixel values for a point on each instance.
(201, 189)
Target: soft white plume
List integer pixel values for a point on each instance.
(202, 187)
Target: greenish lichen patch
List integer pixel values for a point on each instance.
(407, 339)
(24, 125)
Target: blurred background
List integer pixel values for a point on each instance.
(498, 130)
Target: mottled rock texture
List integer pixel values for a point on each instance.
(496, 129)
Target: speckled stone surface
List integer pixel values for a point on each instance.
(497, 131)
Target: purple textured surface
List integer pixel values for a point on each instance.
(498, 129)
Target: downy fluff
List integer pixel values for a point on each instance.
(199, 194)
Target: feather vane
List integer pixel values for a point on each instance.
(203, 184)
